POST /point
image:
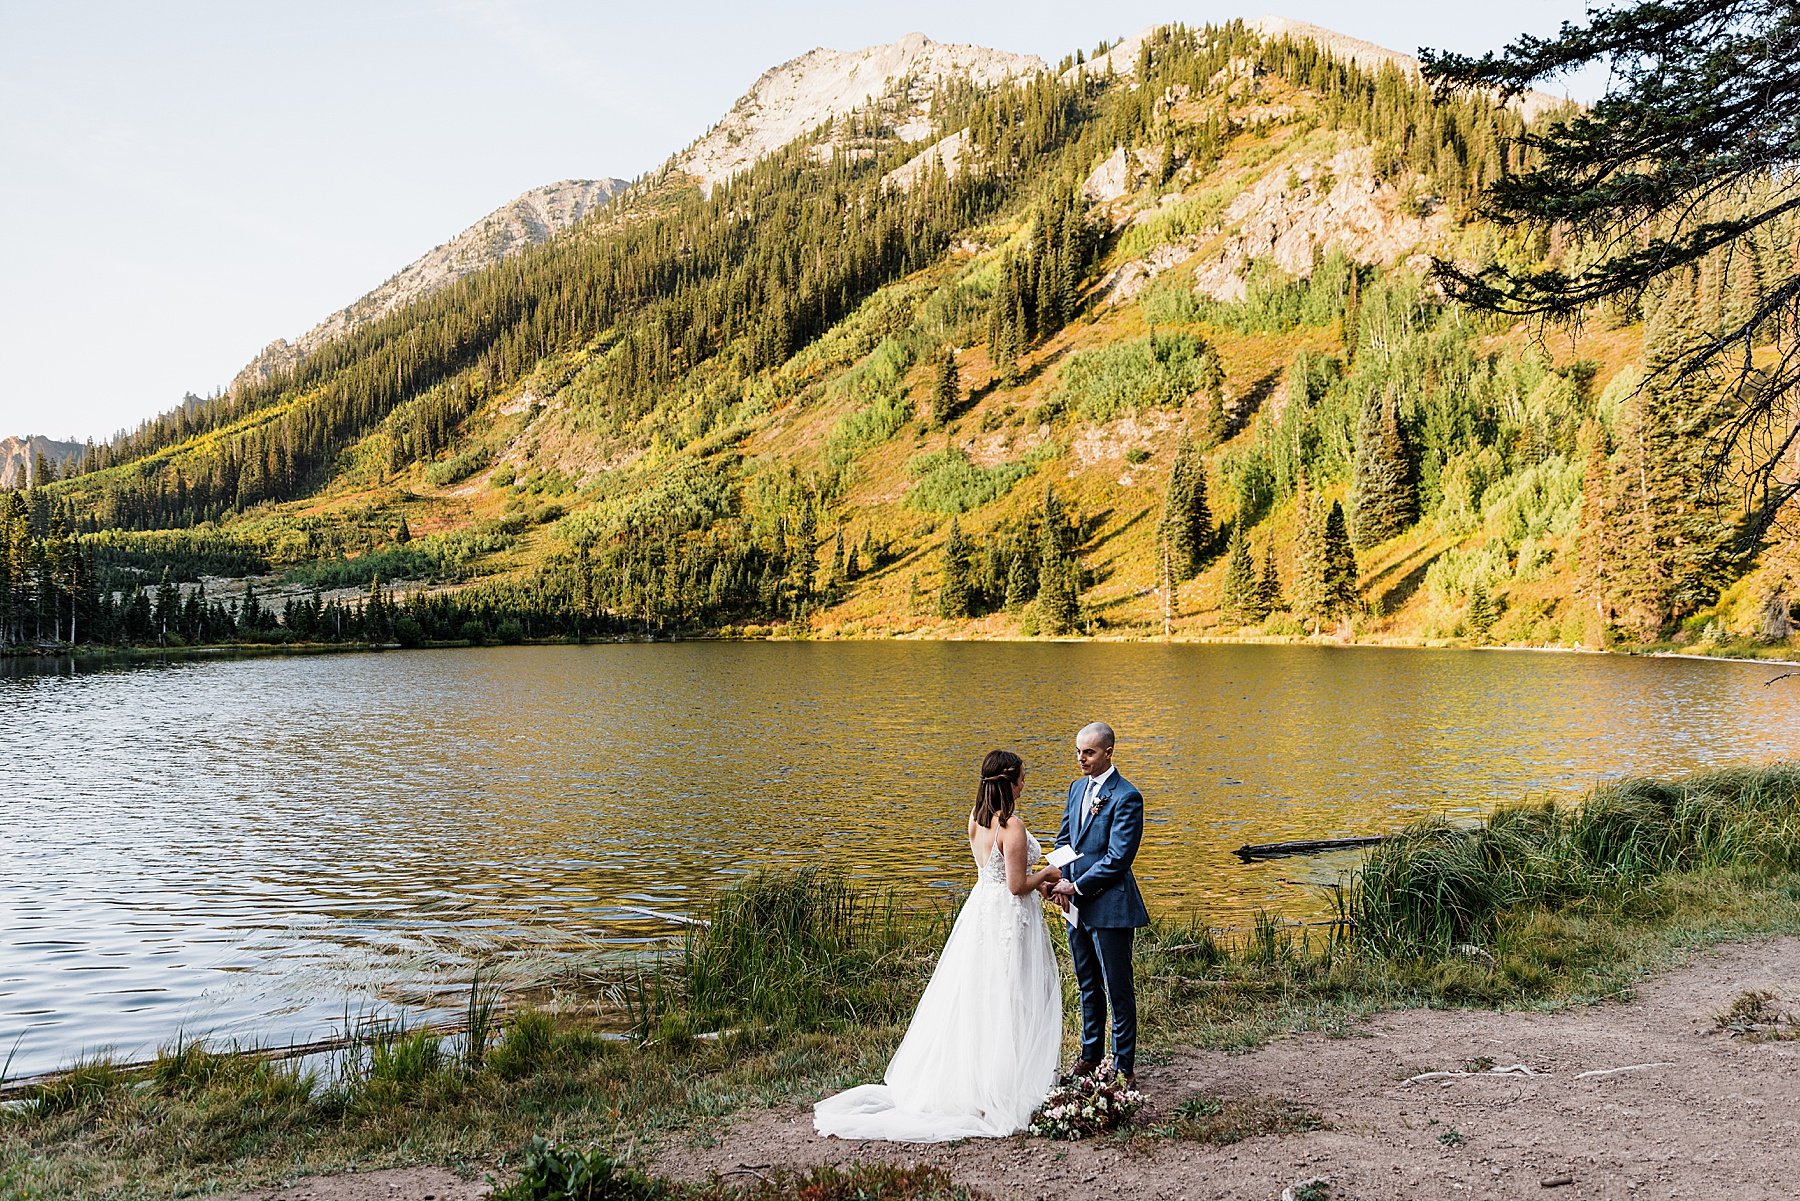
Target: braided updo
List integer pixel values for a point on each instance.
(1001, 772)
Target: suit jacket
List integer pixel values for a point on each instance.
(1107, 845)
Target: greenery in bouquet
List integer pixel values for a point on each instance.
(1091, 1104)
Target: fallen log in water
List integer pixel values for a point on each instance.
(1306, 846)
(21, 1087)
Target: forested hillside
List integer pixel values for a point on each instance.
(1141, 345)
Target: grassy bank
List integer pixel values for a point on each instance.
(801, 984)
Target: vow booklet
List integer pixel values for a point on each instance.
(1060, 858)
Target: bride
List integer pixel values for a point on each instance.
(981, 1052)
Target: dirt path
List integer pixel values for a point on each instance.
(1719, 1119)
(1716, 1118)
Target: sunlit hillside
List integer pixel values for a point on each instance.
(1105, 340)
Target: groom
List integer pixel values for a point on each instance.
(1104, 822)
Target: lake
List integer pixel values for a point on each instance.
(255, 848)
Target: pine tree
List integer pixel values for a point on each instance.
(1022, 568)
(1384, 498)
(834, 578)
(1005, 319)
(404, 534)
(1268, 588)
(805, 567)
(1676, 545)
(1340, 596)
(1308, 596)
(1059, 575)
(946, 398)
(1595, 532)
(1240, 579)
(955, 592)
(1186, 519)
(166, 613)
(1482, 610)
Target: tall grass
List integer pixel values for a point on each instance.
(799, 951)
(1436, 886)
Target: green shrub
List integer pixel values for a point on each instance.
(870, 426)
(461, 467)
(1158, 372)
(548, 1172)
(1275, 302)
(946, 482)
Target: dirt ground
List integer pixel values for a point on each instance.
(1698, 1113)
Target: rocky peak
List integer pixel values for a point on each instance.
(526, 221)
(1122, 58)
(18, 454)
(824, 85)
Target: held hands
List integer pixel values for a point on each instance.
(1048, 878)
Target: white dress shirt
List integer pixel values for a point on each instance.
(1094, 785)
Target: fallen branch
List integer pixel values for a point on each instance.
(1515, 1069)
(1635, 1067)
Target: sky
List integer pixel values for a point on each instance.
(184, 182)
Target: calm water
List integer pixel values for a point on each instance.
(252, 848)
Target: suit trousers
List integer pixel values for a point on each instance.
(1102, 959)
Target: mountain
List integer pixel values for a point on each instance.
(935, 341)
(18, 455)
(897, 81)
(525, 221)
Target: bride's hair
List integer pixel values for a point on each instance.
(1000, 771)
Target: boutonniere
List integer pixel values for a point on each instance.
(1094, 806)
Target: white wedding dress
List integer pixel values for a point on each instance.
(982, 1050)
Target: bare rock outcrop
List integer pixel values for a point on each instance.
(948, 154)
(530, 219)
(1338, 204)
(1290, 215)
(824, 85)
(19, 454)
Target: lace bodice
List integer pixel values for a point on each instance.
(994, 870)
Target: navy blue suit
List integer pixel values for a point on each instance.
(1111, 908)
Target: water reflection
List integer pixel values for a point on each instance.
(240, 845)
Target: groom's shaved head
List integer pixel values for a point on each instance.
(1095, 733)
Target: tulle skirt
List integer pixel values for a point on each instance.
(982, 1050)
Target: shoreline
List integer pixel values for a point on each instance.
(94, 656)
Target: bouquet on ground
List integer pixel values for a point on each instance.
(1091, 1104)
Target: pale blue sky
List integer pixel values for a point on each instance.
(186, 181)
